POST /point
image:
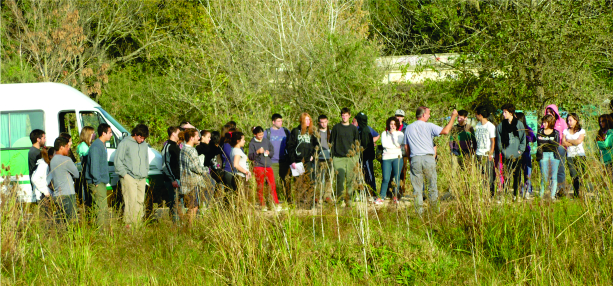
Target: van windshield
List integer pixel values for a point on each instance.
(112, 120)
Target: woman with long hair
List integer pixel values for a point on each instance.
(525, 164)
(227, 159)
(239, 159)
(548, 155)
(573, 138)
(301, 145)
(392, 158)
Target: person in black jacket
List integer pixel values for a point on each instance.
(301, 145)
(170, 157)
(548, 156)
(367, 156)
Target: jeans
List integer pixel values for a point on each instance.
(562, 162)
(513, 170)
(488, 168)
(99, 202)
(261, 173)
(344, 166)
(423, 167)
(576, 166)
(549, 163)
(391, 168)
(67, 207)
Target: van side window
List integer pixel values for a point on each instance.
(93, 119)
(15, 127)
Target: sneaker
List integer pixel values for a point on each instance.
(379, 201)
(395, 201)
(279, 208)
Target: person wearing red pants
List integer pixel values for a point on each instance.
(260, 151)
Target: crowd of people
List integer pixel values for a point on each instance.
(198, 163)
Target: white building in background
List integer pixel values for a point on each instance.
(419, 68)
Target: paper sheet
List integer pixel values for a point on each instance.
(299, 170)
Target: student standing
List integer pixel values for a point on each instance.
(239, 160)
(38, 139)
(63, 171)
(229, 174)
(573, 139)
(278, 136)
(604, 141)
(548, 140)
(261, 151)
(400, 115)
(462, 141)
(97, 173)
(343, 136)
(70, 153)
(302, 143)
(132, 166)
(392, 159)
(525, 164)
(324, 155)
(419, 145)
(560, 126)
(39, 177)
(485, 134)
(368, 154)
(172, 174)
(511, 141)
(193, 173)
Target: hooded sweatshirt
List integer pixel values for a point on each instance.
(301, 146)
(560, 124)
(365, 137)
(39, 179)
(259, 159)
(132, 158)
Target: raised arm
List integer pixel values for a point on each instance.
(450, 124)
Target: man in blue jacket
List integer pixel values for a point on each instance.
(97, 173)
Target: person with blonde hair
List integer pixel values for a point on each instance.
(87, 136)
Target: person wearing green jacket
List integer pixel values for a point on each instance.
(604, 140)
(132, 166)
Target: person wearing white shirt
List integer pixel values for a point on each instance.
(485, 134)
(573, 139)
(392, 158)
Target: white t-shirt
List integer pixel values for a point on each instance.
(242, 160)
(483, 134)
(573, 151)
(392, 143)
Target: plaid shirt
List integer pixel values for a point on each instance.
(192, 172)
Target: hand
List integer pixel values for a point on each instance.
(491, 158)
(454, 113)
(311, 159)
(293, 165)
(247, 176)
(260, 151)
(266, 152)
(175, 184)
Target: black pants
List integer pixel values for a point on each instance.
(513, 169)
(576, 167)
(171, 200)
(369, 173)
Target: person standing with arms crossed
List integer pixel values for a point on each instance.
(132, 166)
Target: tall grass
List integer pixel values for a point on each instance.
(472, 240)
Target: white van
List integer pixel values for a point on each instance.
(54, 108)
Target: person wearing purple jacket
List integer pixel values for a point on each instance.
(526, 165)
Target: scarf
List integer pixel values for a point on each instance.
(507, 129)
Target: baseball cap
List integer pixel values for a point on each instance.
(399, 112)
